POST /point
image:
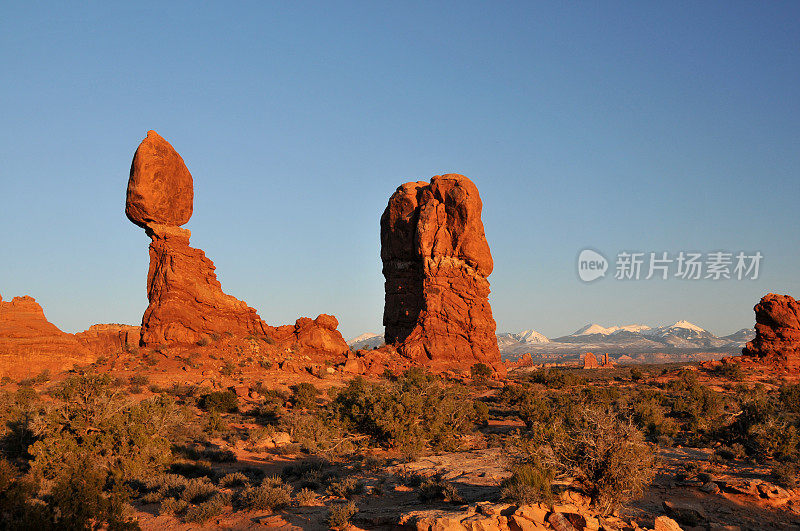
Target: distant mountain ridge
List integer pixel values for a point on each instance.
(619, 340)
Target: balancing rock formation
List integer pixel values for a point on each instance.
(777, 331)
(186, 301)
(436, 262)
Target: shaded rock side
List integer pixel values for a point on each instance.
(436, 261)
(777, 331)
(30, 344)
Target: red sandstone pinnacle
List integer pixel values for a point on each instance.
(777, 331)
(435, 261)
(160, 187)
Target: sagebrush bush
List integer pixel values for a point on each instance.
(530, 482)
(338, 516)
(306, 497)
(304, 395)
(437, 488)
(220, 401)
(608, 456)
(265, 497)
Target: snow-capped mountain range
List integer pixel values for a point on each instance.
(631, 338)
(681, 335)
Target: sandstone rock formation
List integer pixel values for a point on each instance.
(777, 331)
(186, 301)
(104, 339)
(30, 344)
(590, 361)
(607, 363)
(436, 261)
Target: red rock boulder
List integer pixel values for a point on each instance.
(436, 261)
(777, 331)
(160, 187)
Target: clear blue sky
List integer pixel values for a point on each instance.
(641, 125)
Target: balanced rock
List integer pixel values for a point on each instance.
(777, 331)
(30, 344)
(186, 301)
(160, 187)
(436, 261)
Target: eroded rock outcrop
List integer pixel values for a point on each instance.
(30, 344)
(186, 301)
(436, 261)
(104, 339)
(777, 331)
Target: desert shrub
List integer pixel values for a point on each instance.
(306, 497)
(229, 369)
(556, 379)
(95, 423)
(787, 474)
(338, 516)
(139, 379)
(207, 509)
(763, 427)
(480, 372)
(636, 374)
(650, 415)
(220, 401)
(694, 402)
(409, 413)
(192, 470)
(530, 482)
(198, 490)
(304, 395)
(203, 341)
(173, 506)
(234, 479)
(318, 433)
(607, 455)
(789, 398)
(345, 487)
(731, 371)
(79, 499)
(437, 488)
(265, 497)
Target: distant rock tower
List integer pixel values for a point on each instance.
(590, 361)
(436, 262)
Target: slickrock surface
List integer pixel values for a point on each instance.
(436, 261)
(777, 331)
(30, 344)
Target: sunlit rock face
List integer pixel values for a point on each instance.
(436, 261)
(777, 331)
